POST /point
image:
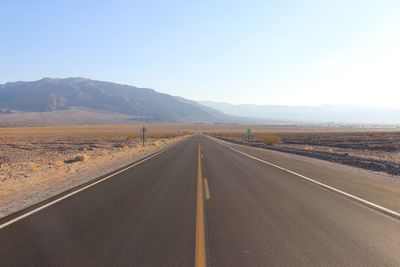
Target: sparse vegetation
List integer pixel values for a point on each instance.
(131, 137)
(27, 151)
(77, 159)
(43, 159)
(270, 138)
(33, 166)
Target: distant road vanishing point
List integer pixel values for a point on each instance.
(200, 203)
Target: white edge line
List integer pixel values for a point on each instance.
(81, 189)
(367, 203)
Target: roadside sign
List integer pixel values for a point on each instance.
(249, 133)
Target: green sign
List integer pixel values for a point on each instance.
(249, 133)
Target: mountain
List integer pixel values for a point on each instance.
(311, 114)
(50, 95)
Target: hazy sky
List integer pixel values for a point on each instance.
(262, 52)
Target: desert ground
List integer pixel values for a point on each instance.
(377, 150)
(38, 162)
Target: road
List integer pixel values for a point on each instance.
(200, 203)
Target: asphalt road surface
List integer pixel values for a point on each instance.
(200, 203)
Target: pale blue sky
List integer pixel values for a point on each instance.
(263, 52)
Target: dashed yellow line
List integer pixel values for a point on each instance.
(207, 189)
(200, 258)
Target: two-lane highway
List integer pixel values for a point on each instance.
(202, 203)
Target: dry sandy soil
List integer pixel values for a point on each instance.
(375, 151)
(38, 162)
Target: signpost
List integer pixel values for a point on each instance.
(249, 133)
(143, 134)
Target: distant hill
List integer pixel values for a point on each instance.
(67, 116)
(50, 95)
(311, 114)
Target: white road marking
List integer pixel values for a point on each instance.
(81, 189)
(362, 201)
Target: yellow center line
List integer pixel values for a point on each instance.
(207, 188)
(200, 259)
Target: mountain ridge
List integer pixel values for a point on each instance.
(56, 94)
